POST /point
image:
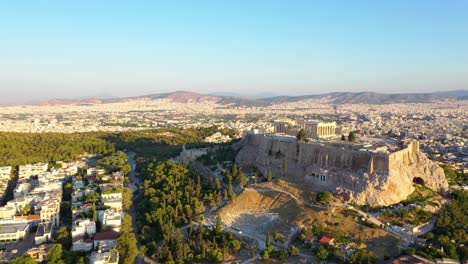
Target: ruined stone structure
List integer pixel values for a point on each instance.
(320, 129)
(371, 178)
(313, 129)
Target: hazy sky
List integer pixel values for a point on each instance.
(65, 49)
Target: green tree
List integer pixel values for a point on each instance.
(235, 170)
(64, 237)
(126, 242)
(94, 212)
(269, 175)
(293, 251)
(26, 210)
(363, 256)
(24, 259)
(322, 253)
(267, 239)
(127, 198)
(126, 169)
(80, 260)
(301, 135)
(235, 245)
(265, 254)
(276, 235)
(219, 225)
(285, 167)
(252, 251)
(324, 197)
(242, 180)
(351, 136)
(283, 254)
(55, 255)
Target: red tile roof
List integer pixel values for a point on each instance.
(108, 235)
(33, 217)
(326, 240)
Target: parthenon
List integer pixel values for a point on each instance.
(320, 130)
(314, 129)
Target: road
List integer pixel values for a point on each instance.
(132, 211)
(406, 238)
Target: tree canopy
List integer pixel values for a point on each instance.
(363, 256)
(301, 135)
(352, 136)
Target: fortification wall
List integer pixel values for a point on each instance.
(360, 176)
(306, 154)
(404, 154)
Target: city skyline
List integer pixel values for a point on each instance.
(111, 49)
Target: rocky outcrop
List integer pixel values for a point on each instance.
(366, 178)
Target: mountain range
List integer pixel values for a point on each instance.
(228, 99)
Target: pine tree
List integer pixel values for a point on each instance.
(252, 252)
(269, 175)
(301, 135)
(126, 242)
(267, 240)
(55, 255)
(219, 227)
(235, 170)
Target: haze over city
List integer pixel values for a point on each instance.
(57, 49)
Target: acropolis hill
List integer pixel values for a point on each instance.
(363, 177)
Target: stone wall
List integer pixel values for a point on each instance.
(359, 176)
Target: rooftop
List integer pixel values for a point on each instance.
(13, 228)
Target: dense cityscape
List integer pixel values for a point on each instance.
(234, 132)
(85, 206)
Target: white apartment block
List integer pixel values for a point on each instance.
(13, 233)
(5, 170)
(82, 227)
(25, 171)
(95, 171)
(111, 218)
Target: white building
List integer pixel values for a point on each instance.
(21, 189)
(115, 204)
(13, 233)
(217, 138)
(82, 227)
(25, 171)
(95, 171)
(110, 257)
(43, 233)
(5, 170)
(7, 211)
(111, 218)
(50, 212)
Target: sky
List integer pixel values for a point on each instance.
(78, 49)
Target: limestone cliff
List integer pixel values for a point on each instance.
(376, 179)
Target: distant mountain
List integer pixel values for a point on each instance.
(184, 97)
(68, 101)
(364, 97)
(333, 98)
(456, 93)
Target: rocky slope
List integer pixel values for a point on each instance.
(361, 177)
